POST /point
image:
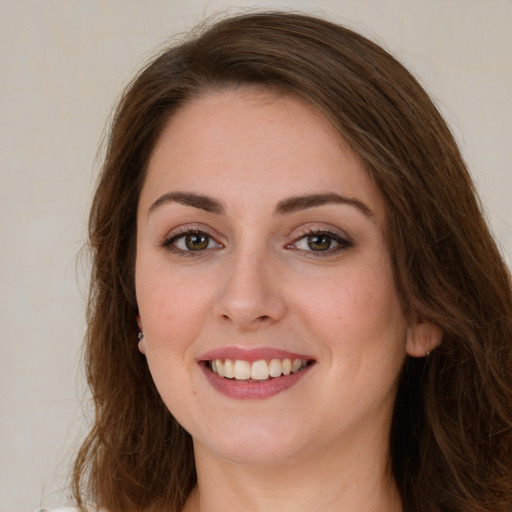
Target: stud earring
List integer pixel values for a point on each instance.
(141, 336)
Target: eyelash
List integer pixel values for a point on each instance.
(170, 243)
(343, 243)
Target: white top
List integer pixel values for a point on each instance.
(60, 509)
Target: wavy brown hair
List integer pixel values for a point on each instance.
(451, 436)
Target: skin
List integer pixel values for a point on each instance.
(321, 444)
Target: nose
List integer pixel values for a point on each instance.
(251, 294)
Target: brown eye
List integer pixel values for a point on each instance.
(320, 242)
(191, 241)
(196, 241)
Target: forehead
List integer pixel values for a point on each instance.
(258, 143)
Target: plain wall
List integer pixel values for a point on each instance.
(63, 64)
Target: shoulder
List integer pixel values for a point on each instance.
(59, 509)
(69, 509)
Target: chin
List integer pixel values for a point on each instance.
(261, 443)
(256, 454)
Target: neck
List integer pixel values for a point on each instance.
(341, 479)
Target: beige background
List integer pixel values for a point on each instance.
(63, 64)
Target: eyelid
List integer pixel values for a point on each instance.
(342, 239)
(167, 240)
(191, 228)
(314, 228)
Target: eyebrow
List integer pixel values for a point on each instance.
(293, 204)
(289, 205)
(200, 201)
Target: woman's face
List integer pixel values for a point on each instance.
(260, 246)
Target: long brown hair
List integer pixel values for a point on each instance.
(451, 438)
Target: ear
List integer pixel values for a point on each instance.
(422, 338)
(142, 339)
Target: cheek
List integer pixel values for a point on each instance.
(170, 313)
(358, 316)
(171, 307)
(354, 300)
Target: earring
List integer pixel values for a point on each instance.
(141, 336)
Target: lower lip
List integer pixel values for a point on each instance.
(253, 390)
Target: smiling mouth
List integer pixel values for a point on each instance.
(257, 371)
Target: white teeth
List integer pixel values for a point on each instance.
(220, 367)
(275, 368)
(229, 369)
(242, 370)
(259, 370)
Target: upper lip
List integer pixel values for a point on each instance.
(251, 354)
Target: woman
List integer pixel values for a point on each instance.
(295, 300)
